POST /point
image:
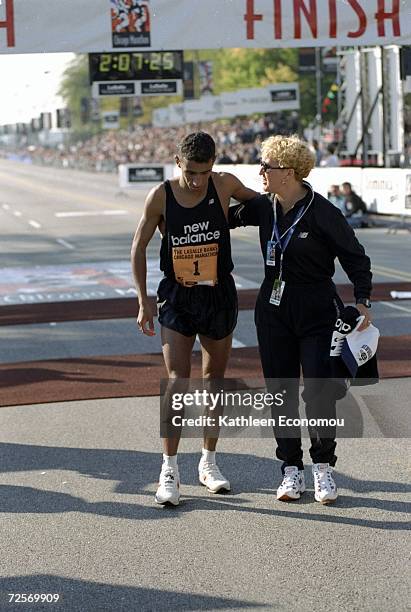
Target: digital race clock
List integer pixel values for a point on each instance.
(136, 66)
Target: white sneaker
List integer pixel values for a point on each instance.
(293, 484)
(168, 491)
(210, 476)
(325, 489)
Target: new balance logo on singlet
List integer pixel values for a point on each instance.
(196, 246)
(195, 233)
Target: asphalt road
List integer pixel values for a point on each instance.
(52, 216)
(77, 478)
(54, 221)
(76, 500)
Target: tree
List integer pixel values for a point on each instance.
(75, 86)
(243, 68)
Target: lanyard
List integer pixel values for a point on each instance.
(288, 232)
(302, 212)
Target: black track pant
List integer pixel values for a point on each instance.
(293, 336)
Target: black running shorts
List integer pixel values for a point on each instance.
(209, 311)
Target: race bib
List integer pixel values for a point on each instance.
(196, 265)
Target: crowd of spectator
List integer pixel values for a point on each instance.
(238, 142)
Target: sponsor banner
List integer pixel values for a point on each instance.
(114, 89)
(136, 107)
(145, 174)
(188, 82)
(159, 88)
(130, 23)
(46, 121)
(109, 25)
(176, 114)
(230, 104)
(205, 72)
(207, 108)
(136, 88)
(284, 95)
(385, 190)
(110, 120)
(270, 99)
(137, 175)
(63, 118)
(161, 117)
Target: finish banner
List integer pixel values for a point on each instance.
(41, 26)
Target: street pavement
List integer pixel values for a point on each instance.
(76, 497)
(77, 479)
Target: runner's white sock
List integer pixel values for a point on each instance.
(208, 456)
(170, 461)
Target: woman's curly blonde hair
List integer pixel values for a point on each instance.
(290, 152)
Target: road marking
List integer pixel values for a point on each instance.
(371, 427)
(6, 206)
(17, 213)
(391, 272)
(65, 243)
(33, 186)
(89, 213)
(34, 224)
(396, 306)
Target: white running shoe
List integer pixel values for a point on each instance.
(210, 476)
(293, 484)
(168, 491)
(325, 489)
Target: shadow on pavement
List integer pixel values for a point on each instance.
(136, 472)
(13, 377)
(76, 595)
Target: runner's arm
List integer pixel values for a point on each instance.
(151, 218)
(239, 191)
(252, 212)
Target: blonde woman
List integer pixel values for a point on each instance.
(301, 234)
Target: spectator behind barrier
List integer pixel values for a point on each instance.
(336, 197)
(355, 207)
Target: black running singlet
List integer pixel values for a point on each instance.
(196, 248)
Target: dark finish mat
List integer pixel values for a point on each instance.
(139, 375)
(123, 308)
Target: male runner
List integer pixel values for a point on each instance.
(197, 294)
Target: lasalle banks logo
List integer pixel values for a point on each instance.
(144, 174)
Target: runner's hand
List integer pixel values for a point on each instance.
(145, 321)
